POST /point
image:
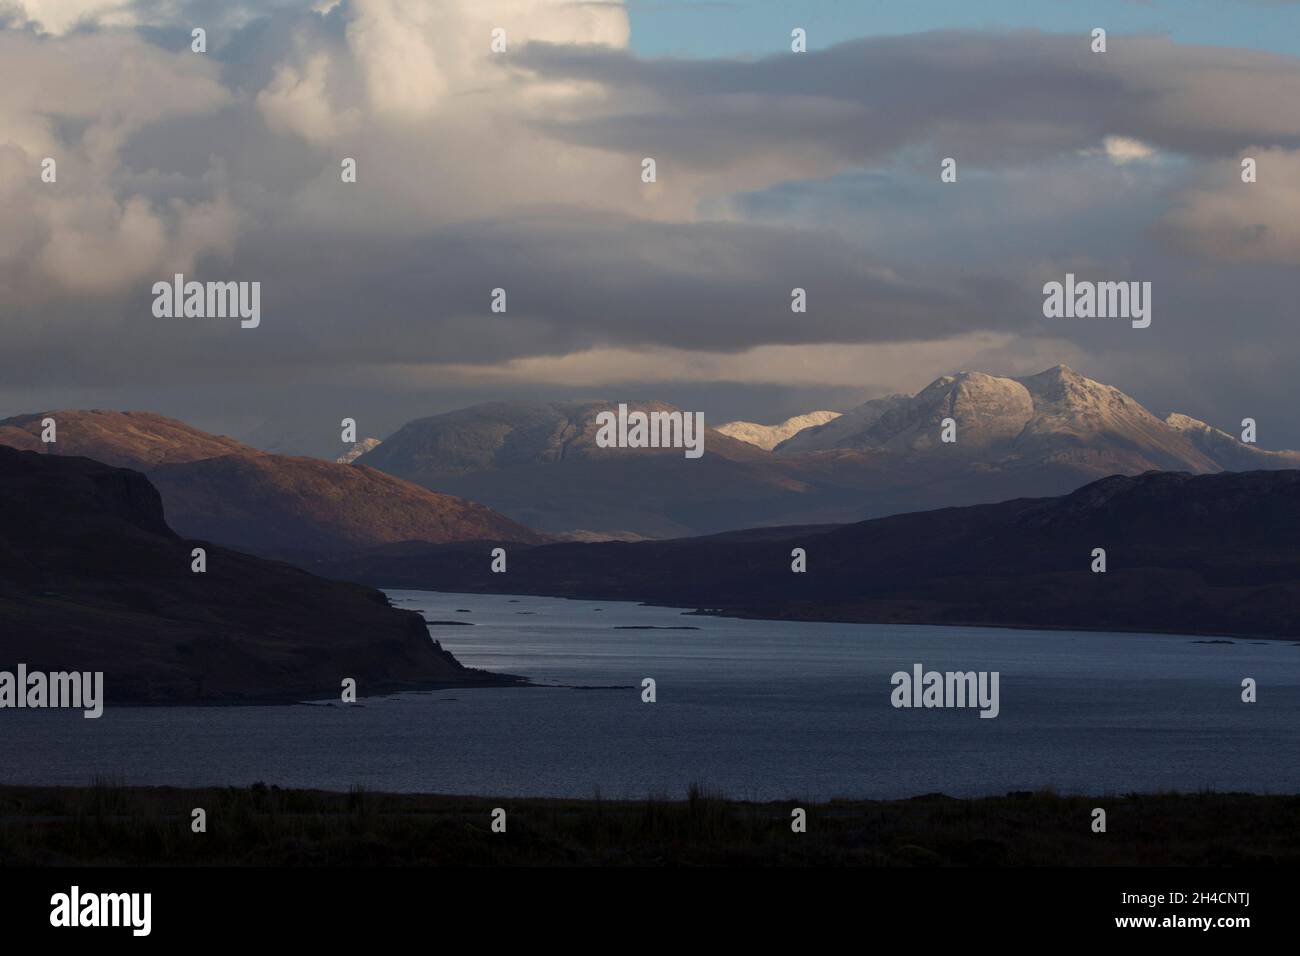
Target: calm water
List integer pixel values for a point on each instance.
(757, 709)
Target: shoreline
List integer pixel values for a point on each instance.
(385, 689)
(744, 614)
(490, 679)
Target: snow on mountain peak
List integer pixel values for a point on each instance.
(769, 436)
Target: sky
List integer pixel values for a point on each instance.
(710, 28)
(523, 170)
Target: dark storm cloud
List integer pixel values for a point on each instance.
(570, 286)
(986, 97)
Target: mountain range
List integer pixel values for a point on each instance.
(529, 471)
(1037, 435)
(1200, 529)
(542, 463)
(1193, 554)
(93, 579)
(220, 490)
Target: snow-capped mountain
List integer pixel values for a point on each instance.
(769, 436)
(1043, 434)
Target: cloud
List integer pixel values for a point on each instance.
(76, 101)
(1122, 150)
(522, 170)
(1223, 219)
(986, 98)
(297, 102)
(61, 16)
(893, 366)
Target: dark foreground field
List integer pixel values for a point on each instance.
(107, 824)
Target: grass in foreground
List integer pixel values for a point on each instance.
(110, 824)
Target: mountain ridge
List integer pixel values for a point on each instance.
(92, 578)
(768, 437)
(1034, 435)
(537, 465)
(1195, 554)
(221, 490)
